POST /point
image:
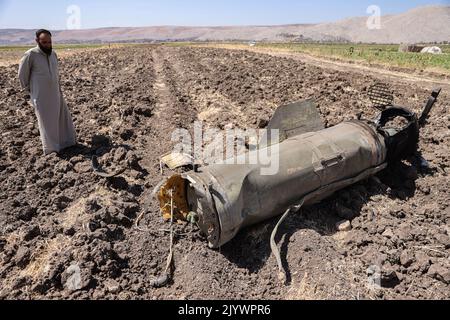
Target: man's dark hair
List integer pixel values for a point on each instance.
(41, 31)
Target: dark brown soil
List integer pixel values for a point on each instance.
(57, 218)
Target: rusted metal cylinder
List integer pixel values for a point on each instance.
(312, 166)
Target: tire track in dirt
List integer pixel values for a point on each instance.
(146, 247)
(199, 272)
(149, 248)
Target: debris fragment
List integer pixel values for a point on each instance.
(344, 226)
(175, 160)
(172, 198)
(381, 96)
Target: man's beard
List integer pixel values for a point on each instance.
(45, 50)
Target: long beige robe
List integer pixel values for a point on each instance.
(39, 75)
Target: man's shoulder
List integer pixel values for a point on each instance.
(32, 51)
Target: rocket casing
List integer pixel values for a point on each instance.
(228, 197)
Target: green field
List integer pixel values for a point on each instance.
(381, 54)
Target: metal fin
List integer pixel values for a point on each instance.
(293, 120)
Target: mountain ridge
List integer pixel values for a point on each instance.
(422, 24)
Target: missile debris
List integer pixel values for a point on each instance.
(314, 163)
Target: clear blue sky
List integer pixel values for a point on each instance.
(120, 13)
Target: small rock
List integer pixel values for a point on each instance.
(342, 252)
(422, 262)
(99, 294)
(439, 273)
(137, 288)
(344, 226)
(404, 233)
(388, 233)
(406, 259)
(444, 240)
(76, 278)
(112, 286)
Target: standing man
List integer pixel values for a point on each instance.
(39, 76)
